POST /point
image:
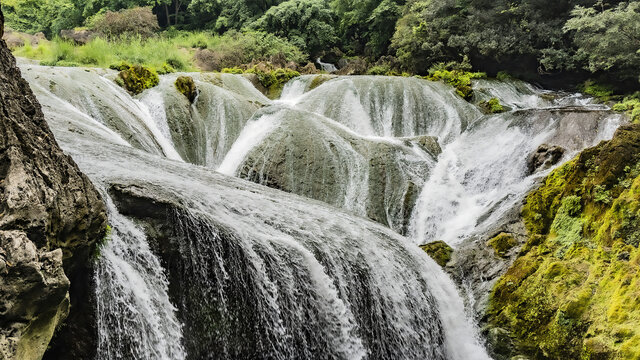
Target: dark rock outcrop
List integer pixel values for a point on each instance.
(544, 157)
(51, 218)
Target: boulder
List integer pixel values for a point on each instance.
(79, 36)
(544, 157)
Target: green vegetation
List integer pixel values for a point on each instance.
(101, 243)
(457, 76)
(502, 243)
(567, 42)
(187, 87)
(270, 78)
(309, 24)
(573, 292)
(180, 52)
(439, 251)
(630, 106)
(137, 78)
(491, 106)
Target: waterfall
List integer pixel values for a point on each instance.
(132, 298)
(326, 66)
(204, 264)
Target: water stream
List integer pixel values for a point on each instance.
(203, 264)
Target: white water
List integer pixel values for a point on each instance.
(131, 293)
(326, 66)
(279, 275)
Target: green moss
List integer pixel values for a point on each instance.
(319, 80)
(273, 80)
(491, 106)
(502, 243)
(187, 87)
(138, 78)
(439, 251)
(574, 290)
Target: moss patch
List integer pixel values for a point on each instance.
(439, 251)
(574, 290)
(187, 87)
(137, 78)
(271, 79)
(491, 106)
(502, 243)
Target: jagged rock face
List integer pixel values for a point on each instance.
(50, 219)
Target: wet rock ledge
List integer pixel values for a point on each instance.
(51, 219)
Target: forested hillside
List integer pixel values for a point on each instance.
(560, 43)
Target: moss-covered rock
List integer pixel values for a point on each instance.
(137, 78)
(319, 80)
(187, 87)
(459, 79)
(502, 243)
(574, 290)
(439, 251)
(491, 106)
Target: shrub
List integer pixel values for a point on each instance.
(459, 79)
(600, 91)
(629, 106)
(491, 106)
(136, 21)
(138, 78)
(187, 87)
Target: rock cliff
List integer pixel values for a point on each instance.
(51, 219)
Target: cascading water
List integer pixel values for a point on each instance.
(257, 273)
(132, 298)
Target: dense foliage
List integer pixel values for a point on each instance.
(537, 39)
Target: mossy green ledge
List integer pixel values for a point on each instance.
(574, 290)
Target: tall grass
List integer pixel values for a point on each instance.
(170, 50)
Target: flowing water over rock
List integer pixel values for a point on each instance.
(210, 266)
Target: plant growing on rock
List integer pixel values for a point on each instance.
(137, 78)
(439, 251)
(187, 87)
(491, 106)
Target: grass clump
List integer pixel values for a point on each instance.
(137, 78)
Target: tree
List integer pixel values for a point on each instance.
(366, 26)
(48, 16)
(308, 24)
(609, 39)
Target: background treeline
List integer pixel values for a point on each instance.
(543, 40)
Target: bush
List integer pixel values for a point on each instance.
(187, 87)
(458, 78)
(629, 106)
(138, 78)
(136, 21)
(491, 106)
